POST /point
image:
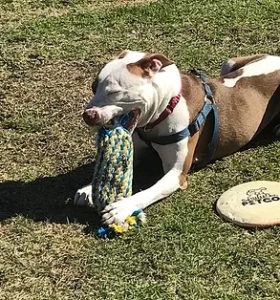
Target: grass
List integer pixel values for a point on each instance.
(49, 53)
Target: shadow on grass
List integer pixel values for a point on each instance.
(51, 198)
(264, 138)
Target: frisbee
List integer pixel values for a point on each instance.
(251, 204)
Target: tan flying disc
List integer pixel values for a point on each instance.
(251, 204)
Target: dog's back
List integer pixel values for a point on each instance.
(248, 100)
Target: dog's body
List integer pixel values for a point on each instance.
(247, 96)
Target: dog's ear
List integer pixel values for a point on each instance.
(162, 58)
(149, 65)
(121, 54)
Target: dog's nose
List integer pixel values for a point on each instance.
(91, 116)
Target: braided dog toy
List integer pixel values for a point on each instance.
(113, 173)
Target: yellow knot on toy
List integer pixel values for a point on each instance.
(137, 219)
(118, 228)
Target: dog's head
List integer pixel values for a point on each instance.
(129, 83)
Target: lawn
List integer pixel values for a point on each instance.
(50, 50)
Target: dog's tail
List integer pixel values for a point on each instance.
(236, 63)
(227, 67)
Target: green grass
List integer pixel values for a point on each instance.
(49, 53)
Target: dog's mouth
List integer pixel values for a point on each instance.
(132, 120)
(128, 121)
(100, 117)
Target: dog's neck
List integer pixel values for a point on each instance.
(191, 102)
(167, 84)
(170, 83)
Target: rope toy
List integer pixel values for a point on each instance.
(113, 174)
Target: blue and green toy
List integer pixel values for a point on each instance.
(113, 173)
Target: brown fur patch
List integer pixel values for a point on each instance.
(164, 60)
(137, 70)
(183, 182)
(193, 93)
(144, 66)
(192, 142)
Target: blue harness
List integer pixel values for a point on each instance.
(209, 106)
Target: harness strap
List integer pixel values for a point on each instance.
(165, 140)
(213, 144)
(192, 129)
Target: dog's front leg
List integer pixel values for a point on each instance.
(176, 160)
(118, 211)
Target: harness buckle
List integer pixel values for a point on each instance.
(194, 128)
(208, 93)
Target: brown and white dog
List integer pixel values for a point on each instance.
(247, 96)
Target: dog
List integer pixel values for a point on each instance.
(186, 118)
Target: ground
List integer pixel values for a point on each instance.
(49, 53)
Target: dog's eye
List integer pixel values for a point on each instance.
(94, 85)
(96, 80)
(113, 92)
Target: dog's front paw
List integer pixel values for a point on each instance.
(83, 196)
(117, 212)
